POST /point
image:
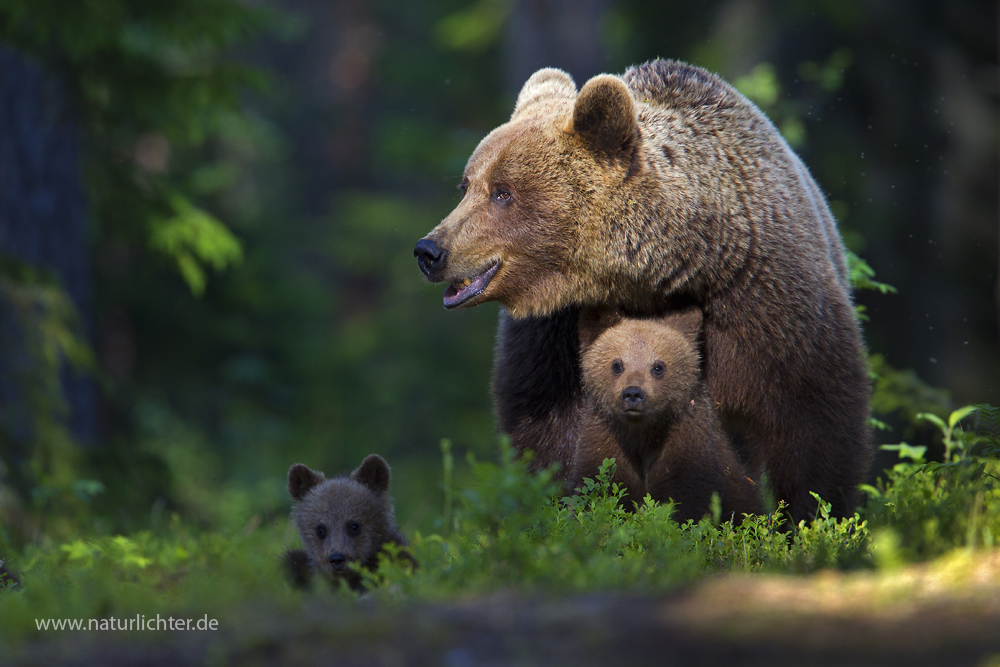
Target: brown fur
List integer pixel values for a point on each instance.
(659, 189)
(341, 521)
(667, 441)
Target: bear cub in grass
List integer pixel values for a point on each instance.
(650, 410)
(341, 521)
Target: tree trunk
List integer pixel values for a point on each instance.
(42, 223)
(554, 33)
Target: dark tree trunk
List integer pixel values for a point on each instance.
(554, 33)
(42, 216)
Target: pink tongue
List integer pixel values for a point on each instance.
(454, 295)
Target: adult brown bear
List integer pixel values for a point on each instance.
(660, 189)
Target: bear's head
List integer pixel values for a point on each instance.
(640, 371)
(532, 192)
(345, 519)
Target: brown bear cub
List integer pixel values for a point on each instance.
(650, 411)
(341, 521)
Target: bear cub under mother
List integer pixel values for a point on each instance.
(651, 412)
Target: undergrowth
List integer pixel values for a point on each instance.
(508, 529)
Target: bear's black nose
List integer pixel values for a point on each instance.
(338, 560)
(430, 258)
(632, 396)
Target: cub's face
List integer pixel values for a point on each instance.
(341, 521)
(640, 370)
(529, 190)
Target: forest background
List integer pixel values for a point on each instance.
(208, 210)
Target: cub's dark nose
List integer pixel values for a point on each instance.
(430, 258)
(632, 396)
(338, 560)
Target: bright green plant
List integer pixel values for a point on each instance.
(932, 507)
(515, 529)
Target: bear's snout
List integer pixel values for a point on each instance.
(338, 561)
(633, 397)
(430, 258)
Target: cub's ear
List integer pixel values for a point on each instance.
(545, 84)
(373, 473)
(593, 322)
(604, 116)
(301, 479)
(688, 321)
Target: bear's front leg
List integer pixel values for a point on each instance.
(537, 391)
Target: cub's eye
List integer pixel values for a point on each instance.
(321, 531)
(658, 369)
(353, 527)
(617, 367)
(464, 185)
(501, 195)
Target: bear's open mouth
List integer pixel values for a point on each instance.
(461, 291)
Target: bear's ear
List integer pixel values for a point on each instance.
(373, 473)
(688, 321)
(301, 478)
(595, 321)
(545, 84)
(604, 116)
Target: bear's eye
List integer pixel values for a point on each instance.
(321, 531)
(658, 369)
(617, 367)
(353, 527)
(501, 195)
(464, 185)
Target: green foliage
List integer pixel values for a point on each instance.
(519, 530)
(830, 74)
(760, 85)
(152, 83)
(863, 276)
(177, 573)
(193, 237)
(894, 392)
(474, 28)
(154, 90)
(903, 394)
(927, 508)
(39, 329)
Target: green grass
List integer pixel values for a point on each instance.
(508, 529)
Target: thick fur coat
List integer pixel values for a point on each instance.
(650, 410)
(655, 190)
(341, 521)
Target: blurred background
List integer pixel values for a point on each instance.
(208, 210)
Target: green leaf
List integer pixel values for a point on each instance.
(934, 419)
(862, 275)
(870, 490)
(878, 424)
(474, 28)
(906, 451)
(761, 85)
(960, 414)
(193, 239)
